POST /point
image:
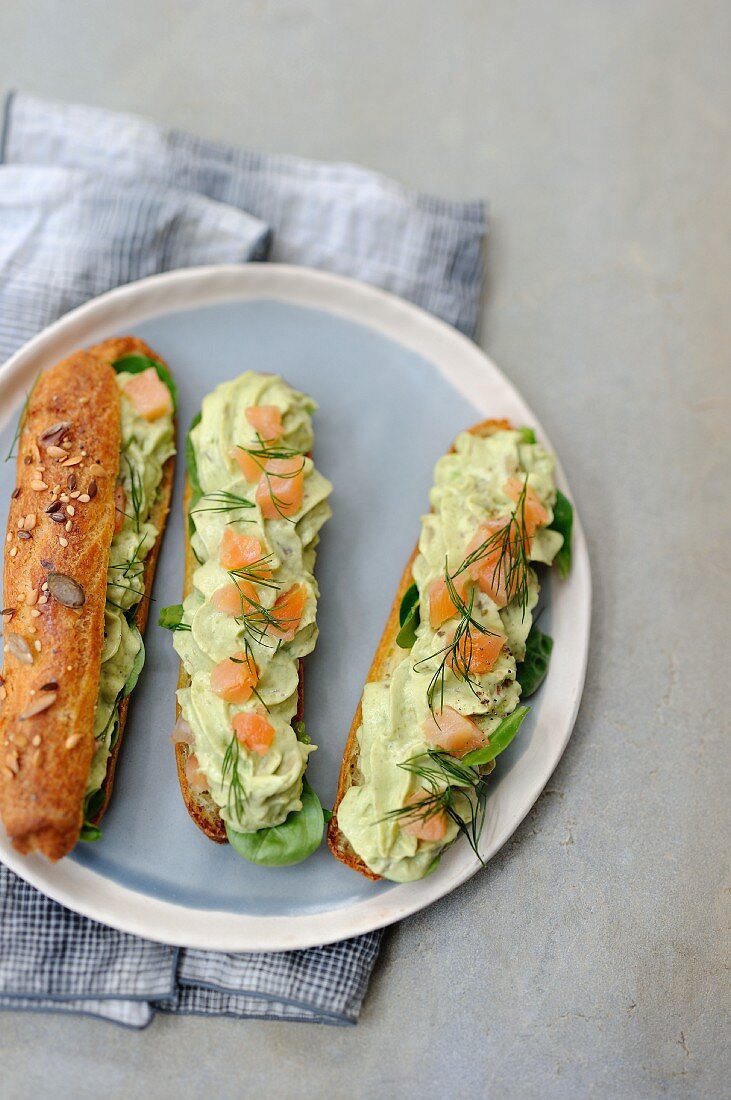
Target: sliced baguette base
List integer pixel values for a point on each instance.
(387, 656)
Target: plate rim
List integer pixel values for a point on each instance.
(472, 373)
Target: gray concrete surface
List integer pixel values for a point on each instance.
(591, 958)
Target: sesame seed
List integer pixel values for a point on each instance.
(63, 542)
(44, 586)
(64, 497)
(36, 741)
(30, 521)
(13, 551)
(73, 740)
(42, 599)
(35, 612)
(37, 645)
(31, 597)
(70, 510)
(9, 537)
(76, 494)
(69, 524)
(21, 523)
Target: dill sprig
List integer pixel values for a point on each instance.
(224, 501)
(261, 454)
(255, 572)
(457, 653)
(135, 496)
(249, 660)
(446, 781)
(230, 769)
(509, 547)
(255, 619)
(19, 425)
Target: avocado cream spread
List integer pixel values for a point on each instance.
(492, 504)
(256, 487)
(145, 447)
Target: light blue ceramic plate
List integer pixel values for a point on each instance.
(394, 387)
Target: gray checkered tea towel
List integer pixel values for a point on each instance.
(89, 200)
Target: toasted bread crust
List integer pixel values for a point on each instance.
(201, 807)
(387, 654)
(45, 758)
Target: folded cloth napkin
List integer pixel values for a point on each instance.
(91, 199)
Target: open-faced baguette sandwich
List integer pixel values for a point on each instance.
(255, 505)
(95, 465)
(458, 651)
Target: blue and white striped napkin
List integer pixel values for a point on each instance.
(89, 200)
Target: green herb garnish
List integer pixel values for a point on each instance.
(171, 618)
(563, 522)
(532, 670)
(299, 835)
(409, 618)
(19, 425)
(457, 653)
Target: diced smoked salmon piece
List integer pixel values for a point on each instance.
(266, 420)
(254, 732)
(196, 779)
(534, 514)
(251, 466)
(234, 679)
(281, 488)
(235, 599)
(243, 552)
(424, 825)
(441, 606)
(477, 652)
(491, 558)
(449, 730)
(287, 611)
(120, 507)
(150, 396)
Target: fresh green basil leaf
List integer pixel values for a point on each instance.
(408, 603)
(136, 363)
(136, 667)
(409, 618)
(171, 618)
(499, 739)
(93, 804)
(531, 671)
(563, 522)
(90, 832)
(282, 845)
(527, 435)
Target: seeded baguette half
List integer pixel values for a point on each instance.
(387, 656)
(53, 666)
